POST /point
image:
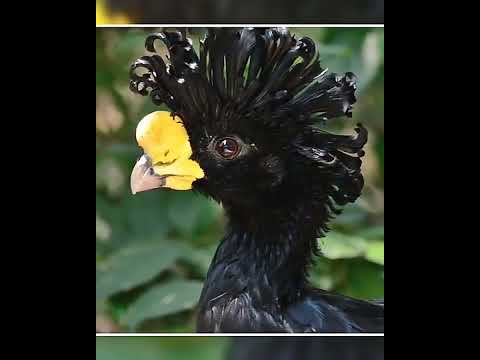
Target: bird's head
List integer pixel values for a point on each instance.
(242, 127)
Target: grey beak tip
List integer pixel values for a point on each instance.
(142, 178)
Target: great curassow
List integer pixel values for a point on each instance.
(243, 131)
(306, 348)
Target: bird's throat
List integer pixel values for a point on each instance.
(266, 256)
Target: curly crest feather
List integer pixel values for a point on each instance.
(262, 75)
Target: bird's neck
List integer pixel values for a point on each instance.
(268, 253)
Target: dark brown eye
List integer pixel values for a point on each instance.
(228, 148)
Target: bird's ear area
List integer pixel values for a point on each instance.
(337, 160)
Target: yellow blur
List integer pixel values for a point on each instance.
(106, 17)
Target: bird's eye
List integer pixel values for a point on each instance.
(228, 148)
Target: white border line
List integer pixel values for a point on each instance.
(239, 334)
(242, 25)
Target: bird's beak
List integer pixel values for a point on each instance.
(166, 162)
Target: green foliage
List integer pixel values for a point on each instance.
(161, 348)
(161, 300)
(134, 266)
(153, 249)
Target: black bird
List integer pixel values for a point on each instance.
(306, 348)
(243, 131)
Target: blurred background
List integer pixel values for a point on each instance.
(242, 348)
(162, 348)
(153, 249)
(245, 12)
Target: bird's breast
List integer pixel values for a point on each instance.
(236, 315)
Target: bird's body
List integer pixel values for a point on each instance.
(307, 348)
(236, 310)
(250, 104)
(257, 282)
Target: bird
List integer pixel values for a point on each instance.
(245, 127)
(306, 348)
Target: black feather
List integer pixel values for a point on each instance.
(307, 348)
(283, 78)
(267, 89)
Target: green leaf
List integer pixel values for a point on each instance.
(200, 258)
(132, 267)
(372, 233)
(161, 300)
(146, 215)
(161, 348)
(130, 44)
(359, 52)
(376, 252)
(188, 213)
(324, 274)
(350, 217)
(364, 280)
(341, 246)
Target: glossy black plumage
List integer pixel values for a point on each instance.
(307, 348)
(267, 89)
